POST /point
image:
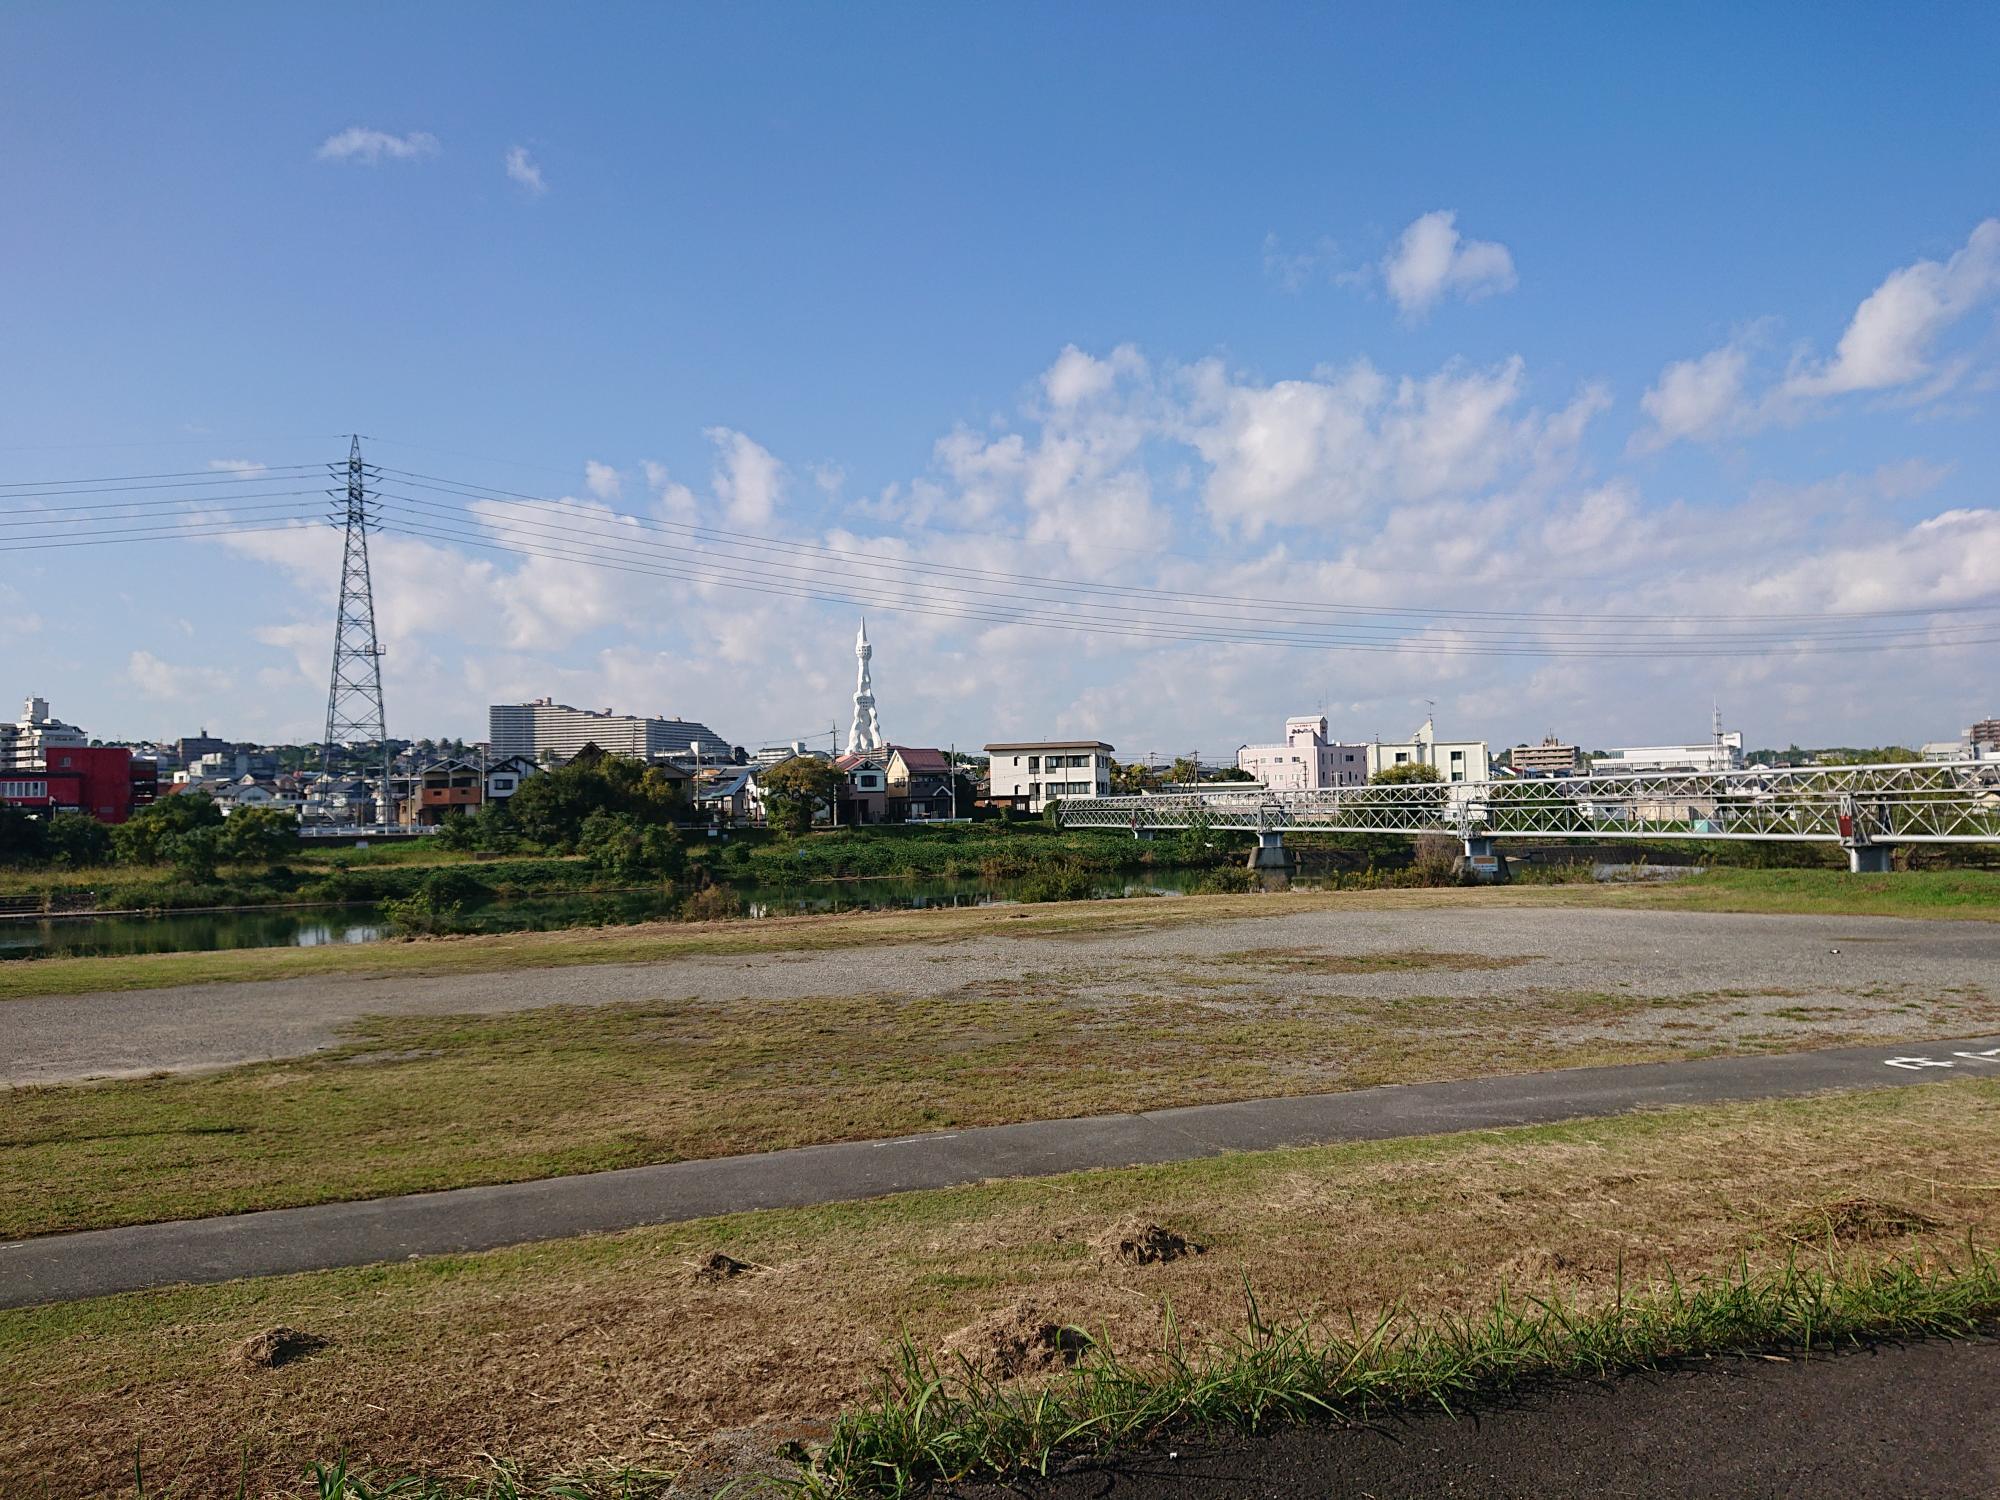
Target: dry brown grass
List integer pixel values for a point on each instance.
(417, 1103)
(617, 1347)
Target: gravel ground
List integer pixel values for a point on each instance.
(1924, 976)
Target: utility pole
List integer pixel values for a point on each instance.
(354, 699)
(952, 770)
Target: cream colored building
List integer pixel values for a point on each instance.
(1454, 760)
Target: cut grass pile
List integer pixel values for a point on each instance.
(418, 1103)
(931, 1423)
(584, 1356)
(1954, 894)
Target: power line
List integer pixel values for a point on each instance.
(583, 536)
(738, 539)
(437, 532)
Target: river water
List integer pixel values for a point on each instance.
(307, 927)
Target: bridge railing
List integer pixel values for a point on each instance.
(1925, 802)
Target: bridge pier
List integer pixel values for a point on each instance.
(1868, 859)
(1481, 862)
(1270, 853)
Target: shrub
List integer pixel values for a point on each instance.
(77, 840)
(713, 903)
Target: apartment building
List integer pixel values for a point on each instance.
(1028, 774)
(545, 730)
(1550, 758)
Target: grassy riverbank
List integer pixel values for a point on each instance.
(394, 871)
(1970, 895)
(431, 1366)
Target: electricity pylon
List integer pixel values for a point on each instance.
(354, 701)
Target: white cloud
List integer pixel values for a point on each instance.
(1889, 346)
(1331, 449)
(1431, 260)
(1888, 341)
(1696, 398)
(357, 143)
(521, 168)
(1077, 377)
(247, 468)
(603, 481)
(171, 682)
(748, 478)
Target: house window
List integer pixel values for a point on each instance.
(1035, 764)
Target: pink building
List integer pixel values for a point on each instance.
(1306, 760)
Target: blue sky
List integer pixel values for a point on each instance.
(1504, 307)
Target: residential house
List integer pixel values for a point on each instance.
(865, 799)
(918, 786)
(1028, 774)
(504, 776)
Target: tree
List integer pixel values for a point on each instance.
(193, 852)
(1409, 770)
(1232, 773)
(551, 809)
(142, 838)
(77, 840)
(23, 840)
(1130, 778)
(1185, 769)
(619, 845)
(795, 789)
(259, 835)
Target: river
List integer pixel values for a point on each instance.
(308, 927)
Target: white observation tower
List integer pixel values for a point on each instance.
(866, 732)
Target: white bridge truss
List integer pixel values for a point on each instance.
(1943, 802)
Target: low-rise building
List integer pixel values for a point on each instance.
(865, 798)
(1721, 752)
(1026, 775)
(1307, 760)
(97, 780)
(1453, 760)
(504, 776)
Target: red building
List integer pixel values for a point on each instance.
(101, 780)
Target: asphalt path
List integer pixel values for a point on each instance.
(1885, 1423)
(58, 1268)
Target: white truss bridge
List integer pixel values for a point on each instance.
(1865, 808)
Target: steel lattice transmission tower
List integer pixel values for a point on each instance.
(354, 701)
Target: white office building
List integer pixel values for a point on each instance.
(1454, 760)
(1307, 760)
(1031, 773)
(1720, 752)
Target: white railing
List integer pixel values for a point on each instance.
(1933, 802)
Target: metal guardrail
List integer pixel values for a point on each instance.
(1930, 802)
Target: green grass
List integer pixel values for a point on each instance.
(930, 1424)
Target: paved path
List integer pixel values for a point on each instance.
(1885, 1423)
(1765, 963)
(58, 1268)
